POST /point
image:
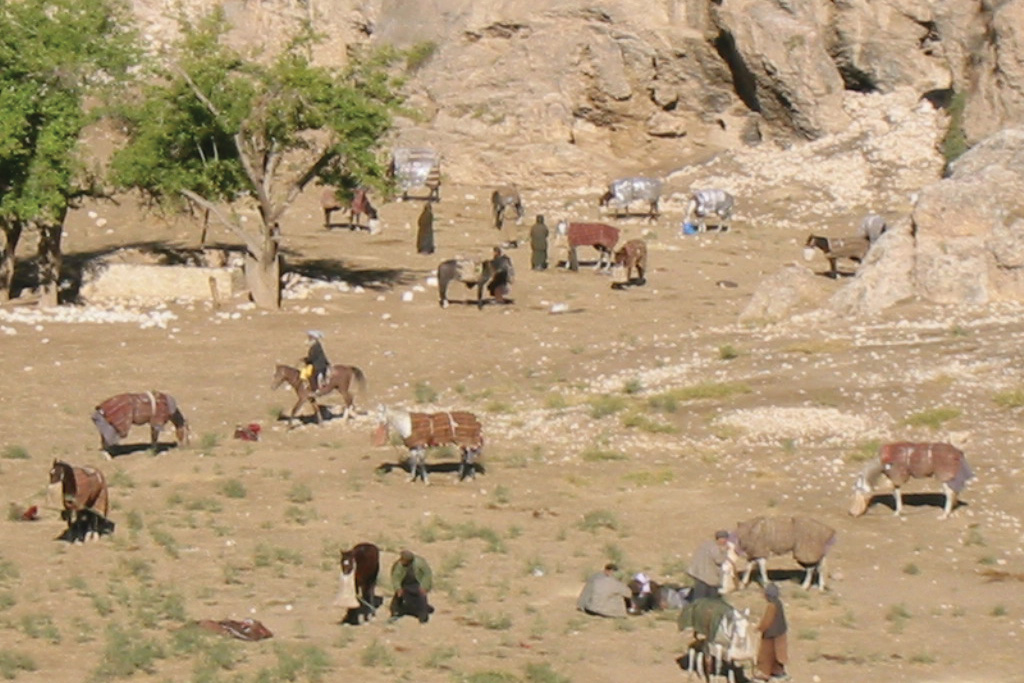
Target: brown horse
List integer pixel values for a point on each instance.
(633, 254)
(902, 461)
(359, 206)
(116, 415)
(338, 379)
(360, 567)
(83, 499)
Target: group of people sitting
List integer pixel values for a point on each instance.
(604, 595)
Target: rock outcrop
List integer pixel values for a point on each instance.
(964, 243)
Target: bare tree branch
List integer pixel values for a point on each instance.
(252, 245)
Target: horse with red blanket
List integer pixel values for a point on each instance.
(116, 415)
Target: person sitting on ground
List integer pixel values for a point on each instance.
(412, 579)
(603, 595)
(315, 363)
(706, 567)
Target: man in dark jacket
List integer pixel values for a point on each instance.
(425, 233)
(500, 275)
(539, 245)
(315, 362)
(412, 580)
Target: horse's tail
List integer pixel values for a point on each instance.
(360, 379)
(108, 435)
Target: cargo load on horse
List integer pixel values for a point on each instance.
(903, 461)
(420, 431)
(723, 637)
(623, 192)
(116, 415)
(414, 167)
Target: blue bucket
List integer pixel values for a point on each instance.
(689, 228)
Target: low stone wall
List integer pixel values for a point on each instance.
(159, 283)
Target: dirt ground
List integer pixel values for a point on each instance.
(629, 427)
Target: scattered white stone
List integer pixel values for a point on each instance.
(559, 308)
(407, 296)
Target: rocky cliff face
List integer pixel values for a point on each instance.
(570, 93)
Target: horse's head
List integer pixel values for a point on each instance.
(348, 561)
(57, 471)
(606, 197)
(183, 433)
(380, 435)
(280, 374)
(861, 496)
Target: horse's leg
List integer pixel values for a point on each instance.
(762, 565)
(821, 574)
(950, 501)
(809, 574)
(746, 574)
(898, 497)
(154, 436)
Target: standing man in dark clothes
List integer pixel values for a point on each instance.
(412, 580)
(773, 652)
(539, 245)
(502, 274)
(425, 233)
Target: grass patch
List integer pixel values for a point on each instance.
(999, 611)
(8, 571)
(294, 663)
(424, 393)
(632, 386)
(440, 657)
(646, 424)
(668, 401)
(12, 662)
(500, 408)
(126, 652)
(166, 541)
(601, 455)
(377, 654)
(489, 677)
(897, 616)
(1010, 399)
(300, 493)
(233, 488)
(599, 519)
(542, 672)
(417, 56)
(603, 406)
(300, 515)
(933, 418)
(40, 627)
(922, 658)
(649, 477)
(268, 556)
(807, 634)
(728, 352)
(555, 402)
(209, 441)
(14, 452)
(495, 622)
(911, 569)
(864, 451)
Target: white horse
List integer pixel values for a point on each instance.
(704, 203)
(732, 644)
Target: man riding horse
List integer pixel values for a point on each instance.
(315, 364)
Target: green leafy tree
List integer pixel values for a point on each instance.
(56, 56)
(215, 128)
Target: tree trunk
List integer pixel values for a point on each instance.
(10, 233)
(263, 272)
(48, 263)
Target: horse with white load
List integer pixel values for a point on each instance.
(706, 203)
(623, 192)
